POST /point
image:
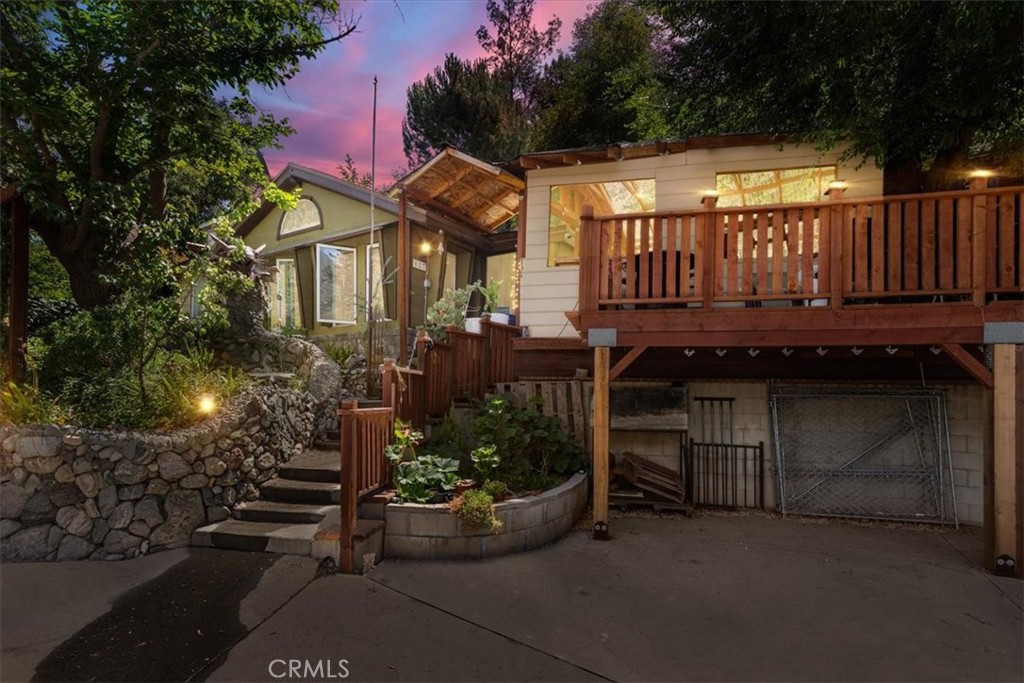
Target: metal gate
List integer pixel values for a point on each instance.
(874, 454)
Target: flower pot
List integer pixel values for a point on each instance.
(463, 485)
(499, 318)
(473, 325)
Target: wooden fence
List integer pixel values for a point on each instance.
(365, 432)
(460, 368)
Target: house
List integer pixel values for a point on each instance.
(784, 302)
(330, 270)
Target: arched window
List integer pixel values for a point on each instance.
(305, 216)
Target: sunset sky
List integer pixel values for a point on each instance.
(330, 102)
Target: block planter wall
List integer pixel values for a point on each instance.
(431, 532)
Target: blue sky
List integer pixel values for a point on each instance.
(330, 101)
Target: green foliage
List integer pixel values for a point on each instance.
(403, 446)
(115, 366)
(26, 406)
(127, 125)
(339, 353)
(482, 106)
(421, 479)
(485, 460)
(913, 85)
(490, 293)
(43, 312)
(475, 509)
(348, 171)
(496, 489)
(601, 91)
(449, 310)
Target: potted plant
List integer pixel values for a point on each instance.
(490, 293)
(449, 310)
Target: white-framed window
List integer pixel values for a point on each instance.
(305, 216)
(335, 284)
(375, 280)
(567, 202)
(284, 296)
(773, 186)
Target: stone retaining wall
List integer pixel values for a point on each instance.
(422, 532)
(68, 493)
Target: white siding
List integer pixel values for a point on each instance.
(547, 293)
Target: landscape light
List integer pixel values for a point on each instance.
(206, 404)
(981, 173)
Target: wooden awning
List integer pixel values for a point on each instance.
(472, 191)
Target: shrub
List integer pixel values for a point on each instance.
(340, 353)
(25, 405)
(497, 489)
(475, 508)
(424, 477)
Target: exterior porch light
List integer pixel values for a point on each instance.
(837, 185)
(425, 248)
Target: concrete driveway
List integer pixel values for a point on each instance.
(729, 598)
(716, 597)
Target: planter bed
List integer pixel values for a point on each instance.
(431, 532)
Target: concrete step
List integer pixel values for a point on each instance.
(269, 537)
(313, 465)
(305, 492)
(281, 513)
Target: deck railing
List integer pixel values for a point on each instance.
(942, 247)
(457, 369)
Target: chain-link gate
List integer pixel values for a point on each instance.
(863, 453)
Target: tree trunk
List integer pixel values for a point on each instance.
(902, 176)
(82, 266)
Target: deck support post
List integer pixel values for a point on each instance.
(1007, 461)
(347, 530)
(601, 422)
(404, 265)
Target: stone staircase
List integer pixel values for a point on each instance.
(298, 513)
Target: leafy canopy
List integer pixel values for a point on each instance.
(126, 124)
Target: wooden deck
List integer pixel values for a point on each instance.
(908, 270)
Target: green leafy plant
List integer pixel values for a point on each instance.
(485, 460)
(475, 509)
(497, 489)
(25, 405)
(449, 310)
(403, 447)
(533, 446)
(340, 353)
(490, 293)
(421, 479)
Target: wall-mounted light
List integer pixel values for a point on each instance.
(425, 248)
(206, 404)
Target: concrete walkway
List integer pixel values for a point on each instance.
(726, 598)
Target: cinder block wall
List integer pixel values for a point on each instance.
(752, 423)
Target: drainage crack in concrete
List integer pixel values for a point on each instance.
(488, 629)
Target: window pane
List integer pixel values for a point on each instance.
(503, 269)
(781, 186)
(567, 202)
(450, 275)
(284, 296)
(336, 284)
(305, 215)
(376, 285)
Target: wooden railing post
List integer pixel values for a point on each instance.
(590, 260)
(835, 247)
(706, 223)
(421, 350)
(487, 356)
(349, 493)
(387, 384)
(979, 240)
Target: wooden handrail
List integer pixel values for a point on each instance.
(847, 250)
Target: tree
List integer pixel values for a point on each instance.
(348, 171)
(461, 104)
(517, 50)
(602, 91)
(484, 106)
(126, 124)
(916, 87)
